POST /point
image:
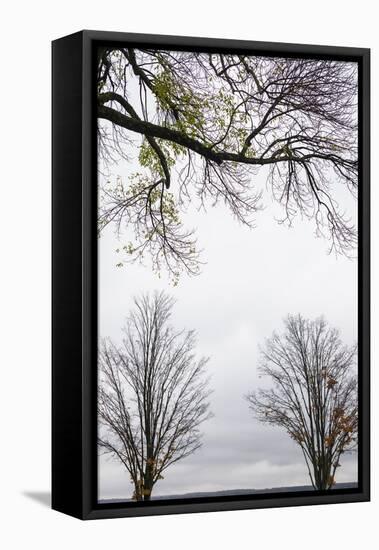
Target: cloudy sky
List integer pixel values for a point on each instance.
(251, 280)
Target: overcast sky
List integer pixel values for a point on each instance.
(252, 279)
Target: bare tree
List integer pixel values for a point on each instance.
(208, 122)
(152, 397)
(314, 397)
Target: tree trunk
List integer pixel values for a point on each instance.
(148, 481)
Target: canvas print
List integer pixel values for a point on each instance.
(227, 274)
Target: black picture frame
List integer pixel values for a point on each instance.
(74, 272)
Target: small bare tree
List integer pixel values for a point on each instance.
(152, 394)
(314, 397)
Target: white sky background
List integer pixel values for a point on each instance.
(251, 280)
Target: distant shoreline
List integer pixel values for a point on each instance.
(232, 492)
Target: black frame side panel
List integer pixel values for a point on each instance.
(67, 485)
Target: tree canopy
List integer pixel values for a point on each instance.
(152, 394)
(314, 394)
(203, 124)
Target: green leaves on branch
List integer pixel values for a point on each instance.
(148, 158)
(151, 217)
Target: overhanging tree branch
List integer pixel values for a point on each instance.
(153, 130)
(214, 119)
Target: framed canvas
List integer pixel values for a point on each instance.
(210, 275)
